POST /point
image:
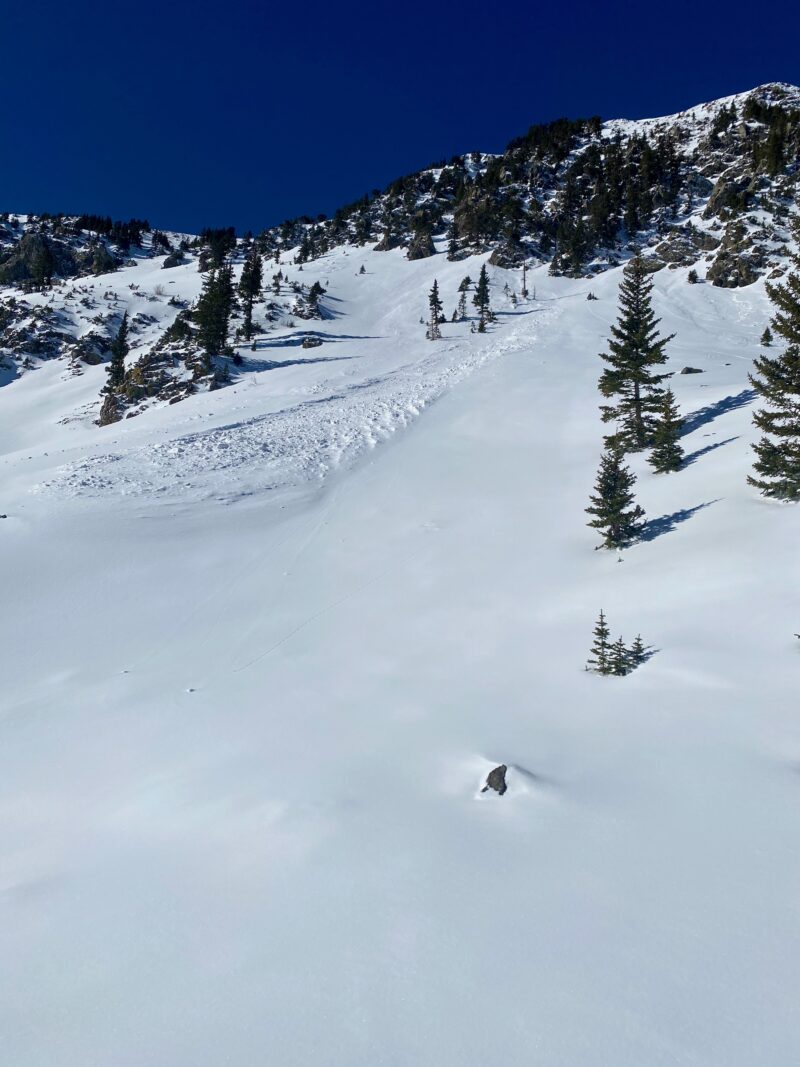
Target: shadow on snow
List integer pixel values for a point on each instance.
(694, 456)
(666, 523)
(296, 340)
(703, 416)
(275, 364)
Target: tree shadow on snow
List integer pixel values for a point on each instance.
(649, 652)
(667, 523)
(516, 312)
(703, 416)
(694, 456)
(275, 364)
(296, 340)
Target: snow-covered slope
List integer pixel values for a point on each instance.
(261, 648)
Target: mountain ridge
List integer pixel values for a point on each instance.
(710, 188)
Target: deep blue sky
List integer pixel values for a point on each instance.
(244, 113)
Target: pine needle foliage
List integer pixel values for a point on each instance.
(599, 655)
(635, 351)
(667, 453)
(119, 350)
(776, 379)
(615, 513)
(435, 313)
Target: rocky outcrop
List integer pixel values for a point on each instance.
(730, 271)
(35, 259)
(421, 246)
(92, 348)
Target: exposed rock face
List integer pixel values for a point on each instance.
(508, 255)
(92, 348)
(109, 411)
(730, 194)
(684, 245)
(496, 780)
(35, 257)
(37, 331)
(730, 270)
(421, 246)
(388, 241)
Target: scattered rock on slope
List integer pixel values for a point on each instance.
(496, 780)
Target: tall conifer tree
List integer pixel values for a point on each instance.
(213, 311)
(616, 515)
(250, 288)
(599, 655)
(433, 333)
(119, 350)
(635, 350)
(667, 454)
(481, 300)
(777, 381)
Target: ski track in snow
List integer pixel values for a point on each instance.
(299, 444)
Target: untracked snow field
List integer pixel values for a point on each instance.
(260, 649)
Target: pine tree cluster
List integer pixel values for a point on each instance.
(614, 657)
(645, 413)
(213, 311)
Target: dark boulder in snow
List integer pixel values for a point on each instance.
(496, 780)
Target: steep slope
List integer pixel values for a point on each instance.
(257, 670)
(711, 188)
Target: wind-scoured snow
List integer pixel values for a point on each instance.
(261, 649)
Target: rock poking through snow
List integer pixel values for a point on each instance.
(496, 780)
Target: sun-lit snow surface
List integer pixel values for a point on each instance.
(255, 671)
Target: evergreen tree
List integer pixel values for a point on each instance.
(314, 294)
(119, 350)
(250, 288)
(766, 338)
(618, 658)
(616, 515)
(213, 311)
(433, 332)
(786, 297)
(635, 349)
(481, 300)
(777, 465)
(599, 655)
(667, 454)
(637, 653)
(43, 264)
(777, 381)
